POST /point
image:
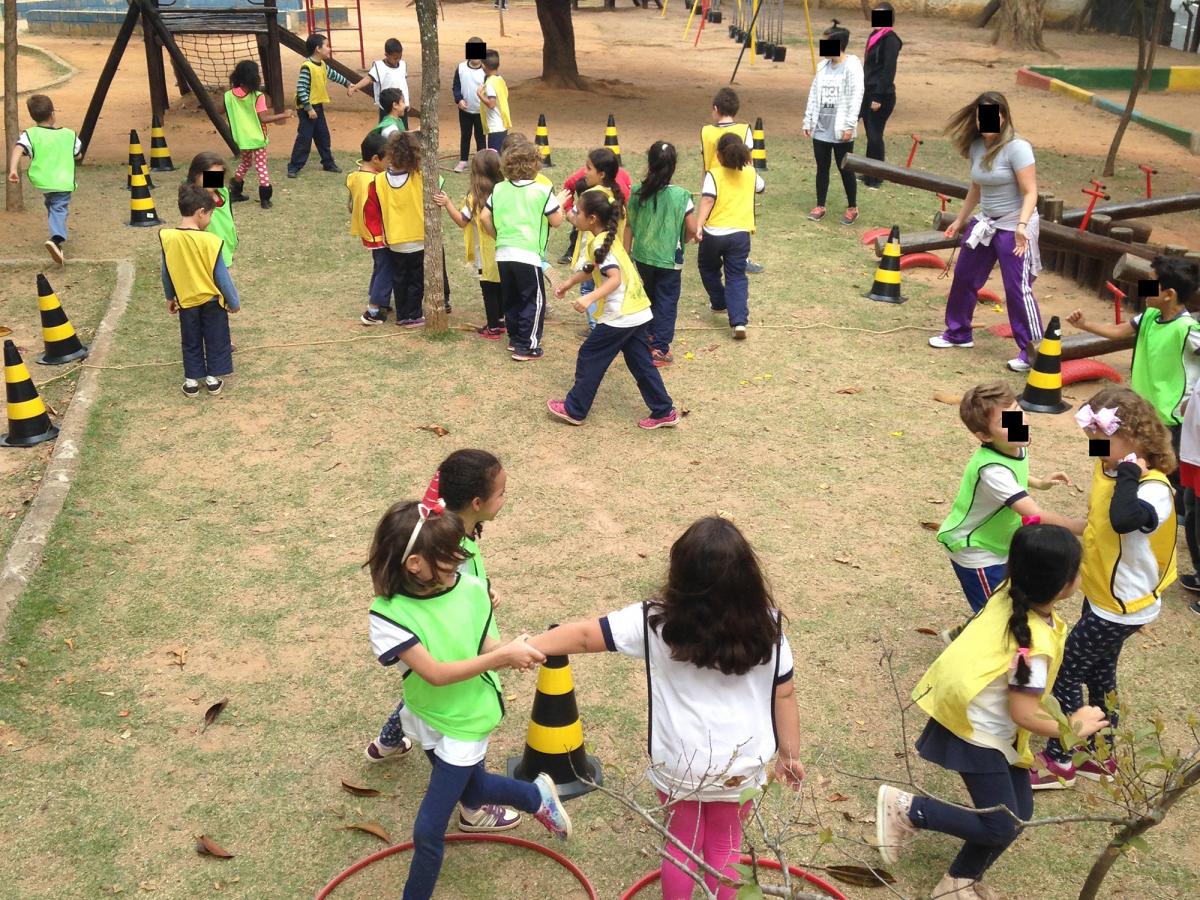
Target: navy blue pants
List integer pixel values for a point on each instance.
(523, 292)
(449, 785)
(379, 294)
(662, 286)
(408, 284)
(307, 131)
(204, 337)
(730, 252)
(495, 139)
(596, 355)
(979, 584)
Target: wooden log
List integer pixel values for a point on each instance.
(1155, 207)
(918, 178)
(1174, 250)
(273, 73)
(1141, 230)
(918, 242)
(155, 73)
(1083, 346)
(1095, 268)
(1049, 208)
(1125, 236)
(104, 82)
(1062, 237)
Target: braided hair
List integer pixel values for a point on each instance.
(1042, 560)
(594, 203)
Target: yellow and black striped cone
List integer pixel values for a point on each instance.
(141, 205)
(137, 161)
(611, 141)
(554, 742)
(759, 154)
(541, 138)
(160, 154)
(28, 421)
(62, 344)
(886, 288)
(1043, 385)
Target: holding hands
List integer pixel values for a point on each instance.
(519, 654)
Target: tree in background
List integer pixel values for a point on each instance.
(12, 124)
(1019, 25)
(1145, 64)
(559, 66)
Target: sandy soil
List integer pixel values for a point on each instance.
(1178, 109)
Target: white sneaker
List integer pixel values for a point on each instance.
(739, 332)
(941, 343)
(1017, 365)
(461, 167)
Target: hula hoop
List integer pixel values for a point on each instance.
(458, 839)
(829, 889)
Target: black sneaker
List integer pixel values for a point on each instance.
(335, 169)
(375, 317)
(292, 174)
(1194, 606)
(191, 387)
(213, 385)
(1191, 582)
(565, 259)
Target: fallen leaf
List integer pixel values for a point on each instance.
(180, 654)
(436, 429)
(359, 791)
(123, 714)
(925, 629)
(70, 642)
(641, 554)
(837, 798)
(689, 355)
(734, 780)
(101, 693)
(930, 526)
(846, 561)
(370, 828)
(206, 846)
(860, 876)
(896, 433)
(212, 712)
(849, 390)
(683, 411)
(711, 347)
(947, 397)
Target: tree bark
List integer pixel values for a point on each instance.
(559, 66)
(1144, 65)
(12, 124)
(431, 83)
(1019, 25)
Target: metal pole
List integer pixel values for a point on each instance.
(750, 33)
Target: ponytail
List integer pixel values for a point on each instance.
(614, 222)
(594, 203)
(660, 169)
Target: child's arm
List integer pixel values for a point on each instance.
(268, 118)
(169, 288)
(576, 637)
(485, 220)
(1045, 484)
(689, 228)
(627, 237)
(611, 282)
(13, 160)
(489, 102)
(455, 214)
(516, 654)
(362, 82)
(1027, 506)
(1129, 511)
(224, 283)
(706, 206)
(563, 286)
(788, 767)
(1112, 332)
(1026, 710)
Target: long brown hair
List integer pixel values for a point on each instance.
(438, 543)
(202, 162)
(963, 129)
(485, 175)
(1140, 424)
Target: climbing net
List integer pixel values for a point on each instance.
(213, 56)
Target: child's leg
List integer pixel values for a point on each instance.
(400, 277)
(970, 274)
(495, 139)
(686, 824)
(708, 261)
(1023, 313)
(414, 285)
(484, 788)
(446, 785)
(392, 732)
(218, 351)
(665, 302)
(722, 842)
(596, 354)
(322, 139)
(445, 281)
(641, 366)
(849, 182)
(191, 340)
(260, 166)
(737, 285)
(493, 301)
(1079, 655)
(239, 174)
(978, 584)
(56, 214)
(1101, 680)
(1191, 526)
(1176, 439)
(303, 145)
(510, 298)
(532, 307)
(822, 153)
(466, 122)
(379, 294)
(480, 143)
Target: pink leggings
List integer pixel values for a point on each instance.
(713, 831)
(259, 159)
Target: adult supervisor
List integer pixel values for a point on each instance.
(879, 85)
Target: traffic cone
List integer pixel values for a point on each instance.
(141, 204)
(28, 421)
(137, 162)
(160, 154)
(610, 138)
(886, 288)
(554, 742)
(541, 138)
(759, 154)
(1043, 386)
(62, 344)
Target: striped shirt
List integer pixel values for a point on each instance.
(304, 85)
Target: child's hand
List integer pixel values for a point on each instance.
(492, 596)
(790, 772)
(519, 654)
(562, 197)
(14, 177)
(560, 291)
(581, 305)
(441, 199)
(1076, 318)
(172, 307)
(350, 90)
(1087, 720)
(808, 132)
(312, 113)
(1056, 478)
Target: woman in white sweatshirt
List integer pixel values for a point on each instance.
(831, 118)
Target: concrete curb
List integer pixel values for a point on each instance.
(29, 544)
(53, 82)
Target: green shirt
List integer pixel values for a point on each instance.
(248, 131)
(1164, 362)
(977, 519)
(658, 226)
(222, 226)
(51, 158)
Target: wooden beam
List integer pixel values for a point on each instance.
(918, 242)
(918, 178)
(104, 82)
(1076, 241)
(273, 73)
(1136, 208)
(155, 72)
(1084, 346)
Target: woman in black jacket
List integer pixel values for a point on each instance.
(879, 77)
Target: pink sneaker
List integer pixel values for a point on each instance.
(559, 409)
(670, 420)
(1095, 771)
(1047, 775)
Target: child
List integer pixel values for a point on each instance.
(468, 79)
(662, 218)
(481, 246)
(725, 106)
(311, 96)
(621, 323)
(389, 73)
(722, 696)
(52, 152)
(366, 224)
(396, 107)
(1182, 277)
(984, 699)
(437, 624)
(1128, 561)
(199, 289)
(519, 214)
(831, 120)
(401, 201)
(246, 107)
(493, 95)
(723, 229)
(221, 223)
(602, 173)
(994, 493)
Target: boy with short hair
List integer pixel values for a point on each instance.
(725, 106)
(493, 99)
(312, 94)
(389, 72)
(366, 223)
(394, 120)
(52, 151)
(200, 291)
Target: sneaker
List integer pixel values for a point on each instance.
(670, 420)
(565, 259)
(941, 343)
(1194, 606)
(872, 187)
(191, 387)
(487, 819)
(817, 213)
(418, 322)
(558, 409)
(1190, 582)
(1095, 771)
(894, 830)
(335, 169)
(851, 216)
(490, 334)
(951, 888)
(717, 310)
(1047, 775)
(949, 634)
(661, 359)
(510, 348)
(528, 355)
(461, 167)
(739, 332)
(377, 752)
(55, 251)
(213, 385)
(552, 813)
(373, 316)
(753, 268)
(1017, 365)
(292, 174)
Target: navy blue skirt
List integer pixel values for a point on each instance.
(942, 747)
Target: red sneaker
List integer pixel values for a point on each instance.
(1105, 771)
(1047, 775)
(670, 420)
(559, 409)
(490, 334)
(661, 359)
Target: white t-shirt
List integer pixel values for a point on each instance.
(384, 77)
(703, 724)
(495, 121)
(516, 254)
(709, 189)
(611, 313)
(991, 722)
(1137, 570)
(999, 194)
(469, 81)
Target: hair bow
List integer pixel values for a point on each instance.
(1022, 652)
(1105, 419)
(431, 504)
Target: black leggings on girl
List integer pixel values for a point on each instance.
(822, 151)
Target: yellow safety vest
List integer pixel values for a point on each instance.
(403, 209)
(318, 78)
(359, 185)
(734, 207)
(620, 225)
(191, 256)
(710, 134)
(501, 87)
(635, 298)
(473, 233)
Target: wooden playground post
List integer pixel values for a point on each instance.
(273, 71)
(155, 72)
(92, 116)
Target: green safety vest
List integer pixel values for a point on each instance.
(1158, 372)
(519, 214)
(222, 226)
(248, 131)
(451, 626)
(994, 533)
(52, 159)
(389, 120)
(658, 225)
(474, 565)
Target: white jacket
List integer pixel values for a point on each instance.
(847, 84)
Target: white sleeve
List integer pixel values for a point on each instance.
(404, 81)
(1158, 495)
(999, 484)
(759, 184)
(1039, 673)
(810, 108)
(1193, 339)
(465, 212)
(389, 131)
(552, 205)
(750, 137)
(691, 207)
(786, 665)
(79, 149)
(389, 640)
(24, 143)
(373, 72)
(625, 631)
(709, 188)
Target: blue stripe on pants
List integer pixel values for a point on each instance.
(596, 355)
(728, 252)
(204, 337)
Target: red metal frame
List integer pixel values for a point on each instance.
(310, 14)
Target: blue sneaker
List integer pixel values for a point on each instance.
(552, 814)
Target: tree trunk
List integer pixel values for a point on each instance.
(1019, 25)
(1144, 64)
(431, 83)
(559, 66)
(12, 124)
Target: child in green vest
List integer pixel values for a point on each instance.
(208, 171)
(436, 625)
(52, 151)
(246, 107)
(393, 122)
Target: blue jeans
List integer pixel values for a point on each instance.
(379, 294)
(979, 584)
(204, 336)
(662, 286)
(596, 355)
(56, 213)
(495, 139)
(449, 785)
(728, 252)
(307, 131)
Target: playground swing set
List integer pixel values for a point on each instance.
(757, 27)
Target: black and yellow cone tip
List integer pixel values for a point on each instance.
(62, 343)
(1043, 384)
(611, 140)
(160, 154)
(541, 138)
(886, 287)
(28, 422)
(141, 205)
(758, 155)
(137, 160)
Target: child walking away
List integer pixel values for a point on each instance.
(720, 692)
(208, 171)
(723, 229)
(436, 625)
(396, 107)
(52, 152)
(481, 246)
(725, 107)
(200, 291)
(520, 213)
(984, 699)
(468, 79)
(663, 219)
(312, 93)
(493, 97)
(389, 73)
(1128, 561)
(246, 108)
(831, 120)
(366, 224)
(622, 320)
(401, 201)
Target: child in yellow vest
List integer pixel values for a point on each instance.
(401, 200)
(1128, 561)
(481, 246)
(312, 94)
(200, 291)
(622, 320)
(493, 99)
(52, 151)
(984, 700)
(366, 224)
(246, 108)
(725, 108)
(724, 226)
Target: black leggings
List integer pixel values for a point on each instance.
(823, 150)
(875, 121)
(468, 123)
